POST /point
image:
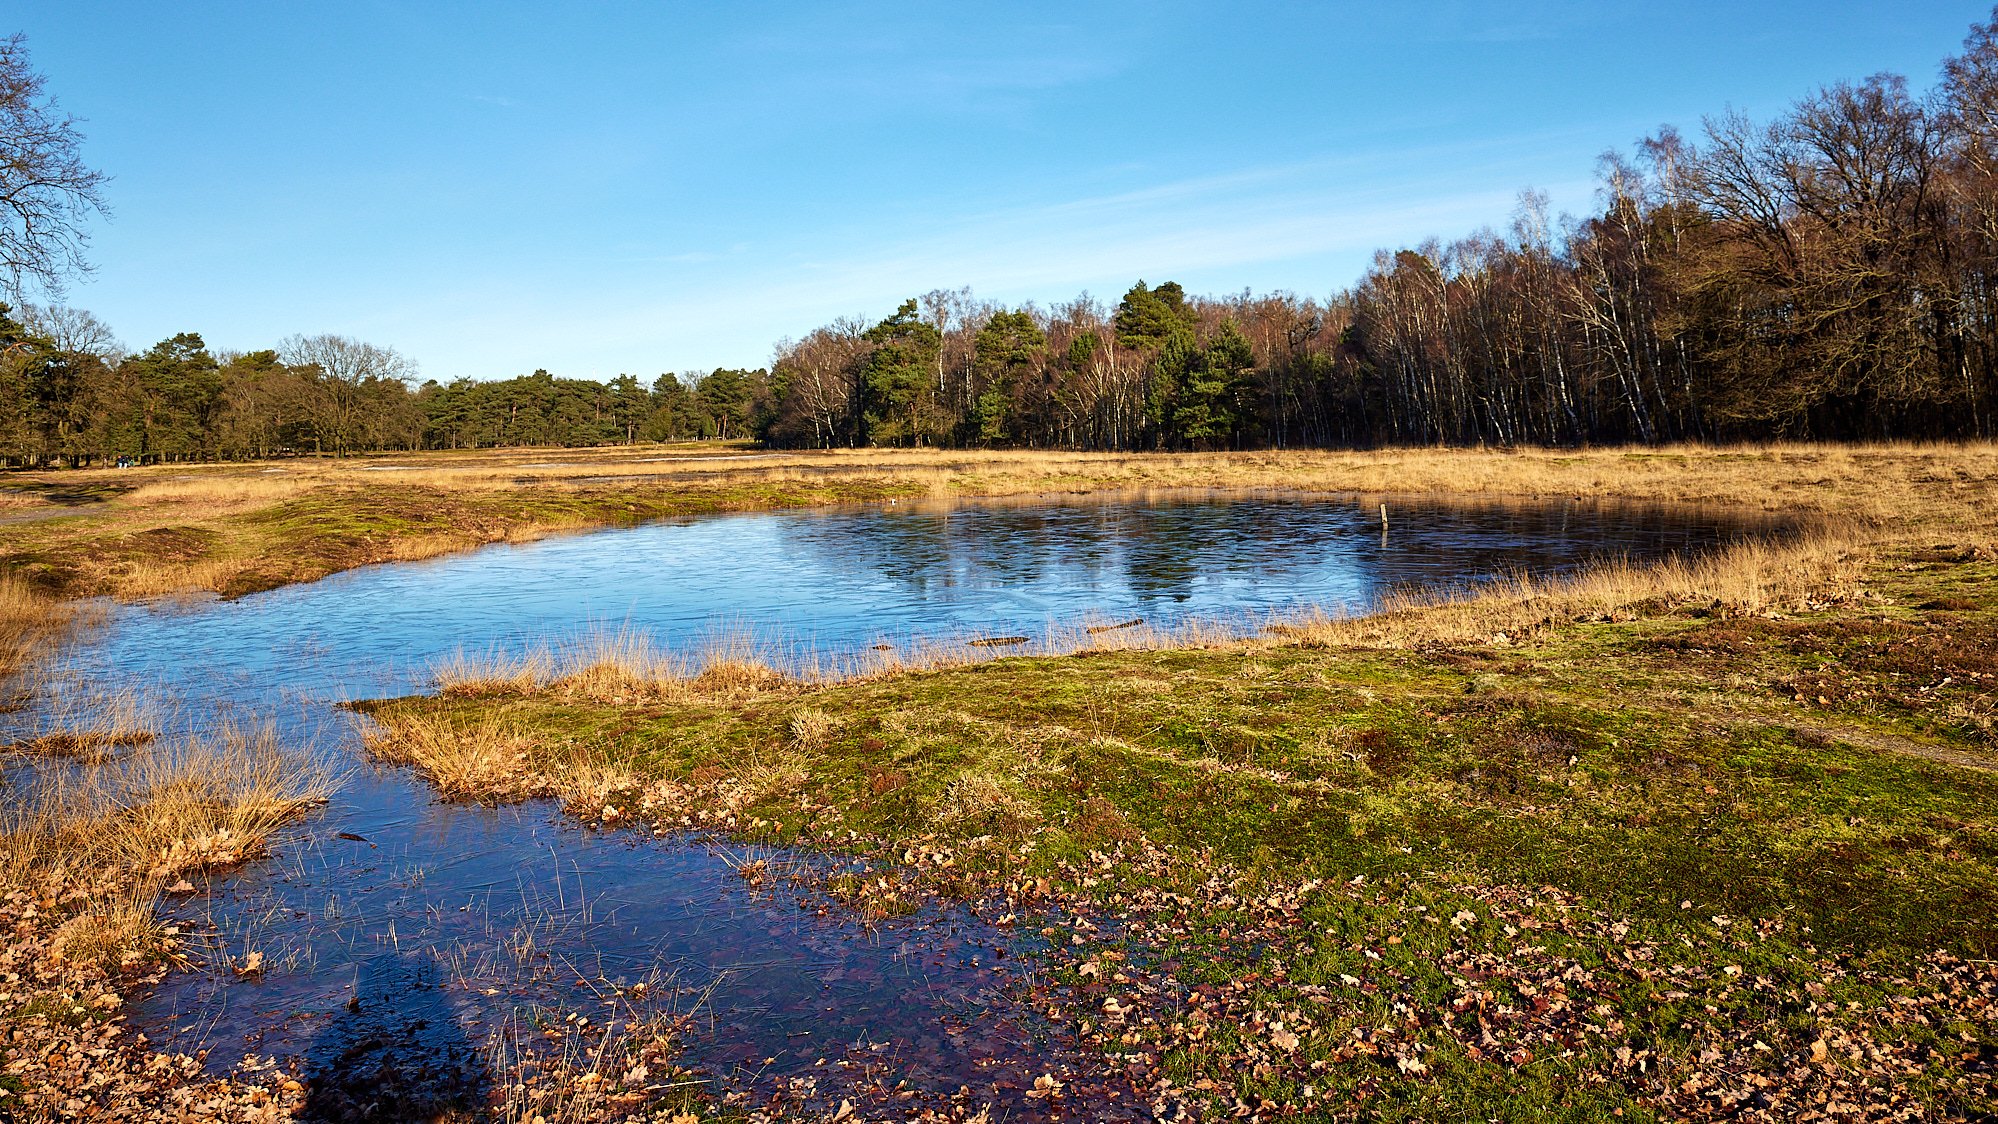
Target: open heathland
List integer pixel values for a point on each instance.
(1713, 838)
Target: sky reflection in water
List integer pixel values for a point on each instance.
(454, 886)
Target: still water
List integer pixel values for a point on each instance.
(455, 917)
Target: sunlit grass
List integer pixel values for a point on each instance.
(30, 623)
(1824, 563)
(85, 722)
(150, 815)
(236, 528)
(484, 761)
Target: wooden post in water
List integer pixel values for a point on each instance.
(1383, 517)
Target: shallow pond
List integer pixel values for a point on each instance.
(456, 917)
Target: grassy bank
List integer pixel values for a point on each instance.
(1707, 840)
(238, 528)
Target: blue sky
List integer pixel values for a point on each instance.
(603, 188)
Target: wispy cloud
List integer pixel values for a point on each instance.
(945, 63)
(1298, 225)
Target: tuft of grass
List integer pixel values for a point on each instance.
(164, 810)
(486, 761)
(30, 622)
(113, 929)
(811, 729)
(623, 666)
(203, 802)
(496, 672)
(142, 578)
(89, 725)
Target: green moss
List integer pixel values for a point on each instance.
(1651, 771)
(59, 1011)
(1579, 763)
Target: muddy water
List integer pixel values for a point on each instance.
(440, 921)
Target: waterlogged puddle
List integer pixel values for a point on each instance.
(831, 580)
(444, 921)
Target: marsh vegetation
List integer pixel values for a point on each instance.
(989, 712)
(1695, 833)
(236, 529)
(1698, 839)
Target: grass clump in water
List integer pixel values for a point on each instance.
(128, 826)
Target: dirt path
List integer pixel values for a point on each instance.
(1726, 711)
(1895, 743)
(37, 514)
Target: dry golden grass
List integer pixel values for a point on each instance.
(157, 813)
(484, 761)
(445, 500)
(29, 622)
(812, 729)
(619, 665)
(89, 725)
(142, 578)
(627, 665)
(114, 927)
(1883, 482)
(419, 547)
(608, 665)
(203, 802)
(491, 761)
(466, 674)
(189, 490)
(219, 489)
(1777, 476)
(1746, 578)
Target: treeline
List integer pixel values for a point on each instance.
(540, 409)
(70, 395)
(1832, 274)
